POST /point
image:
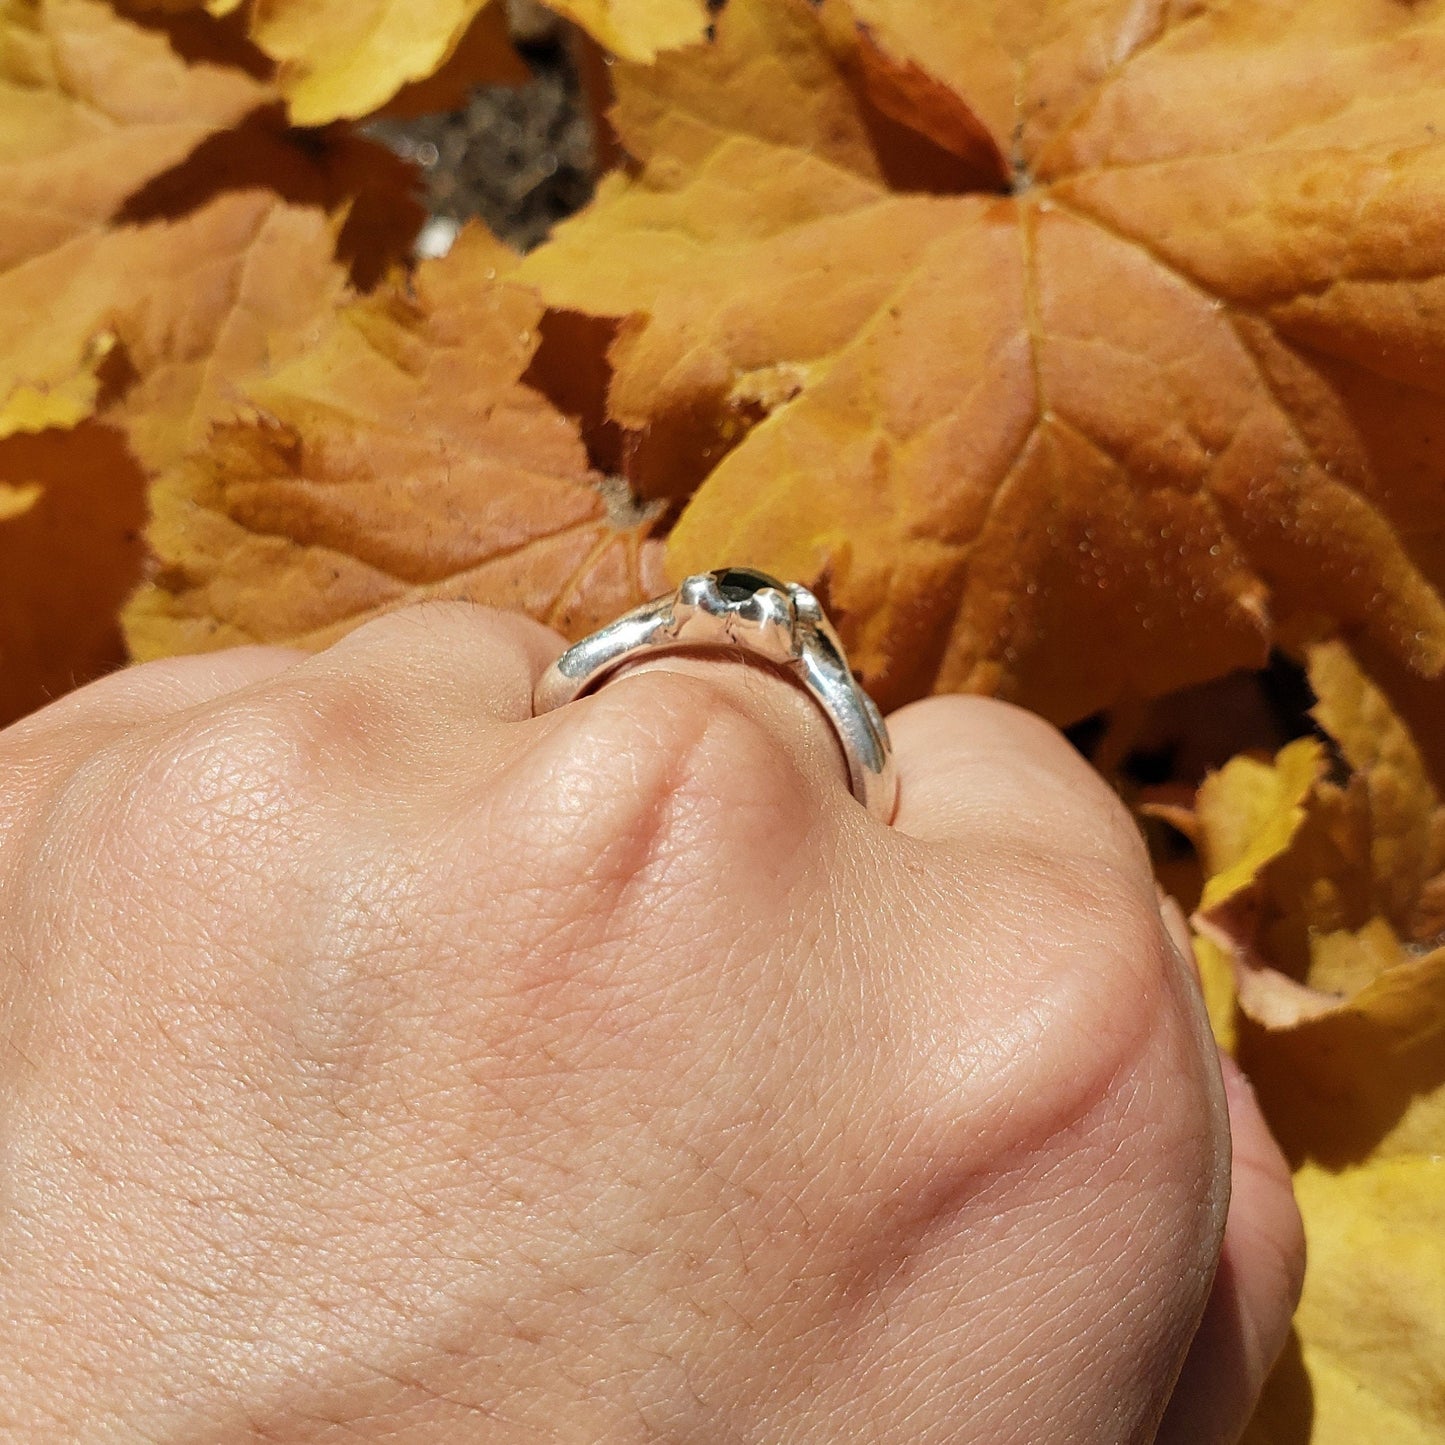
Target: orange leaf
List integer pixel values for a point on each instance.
(1167, 401)
(236, 286)
(184, 308)
(400, 458)
(92, 107)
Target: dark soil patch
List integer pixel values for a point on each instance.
(519, 157)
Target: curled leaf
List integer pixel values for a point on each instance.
(1327, 894)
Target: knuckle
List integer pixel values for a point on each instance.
(1115, 956)
(433, 621)
(731, 787)
(438, 629)
(232, 771)
(440, 652)
(637, 810)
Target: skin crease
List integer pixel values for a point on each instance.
(378, 1062)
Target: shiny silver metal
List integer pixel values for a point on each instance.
(738, 609)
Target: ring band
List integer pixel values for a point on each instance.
(738, 609)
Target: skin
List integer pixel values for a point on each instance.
(378, 1062)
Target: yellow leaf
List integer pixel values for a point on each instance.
(1326, 896)
(1249, 812)
(399, 458)
(1372, 1317)
(1357, 1099)
(346, 60)
(1342, 1031)
(1406, 821)
(1216, 983)
(68, 400)
(1007, 475)
(637, 29)
(92, 107)
(483, 56)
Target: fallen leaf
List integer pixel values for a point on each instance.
(1321, 945)
(1371, 1321)
(372, 191)
(638, 29)
(1249, 812)
(484, 55)
(238, 286)
(343, 59)
(1357, 1099)
(230, 287)
(1326, 896)
(340, 61)
(92, 107)
(399, 458)
(1164, 396)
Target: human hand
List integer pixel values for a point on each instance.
(379, 1062)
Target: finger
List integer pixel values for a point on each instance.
(151, 690)
(1256, 1288)
(39, 751)
(972, 766)
(452, 661)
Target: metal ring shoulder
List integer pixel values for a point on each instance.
(744, 611)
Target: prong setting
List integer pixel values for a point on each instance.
(744, 611)
(738, 606)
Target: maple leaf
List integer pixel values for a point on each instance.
(347, 60)
(187, 304)
(92, 107)
(1162, 395)
(400, 458)
(342, 59)
(237, 286)
(637, 29)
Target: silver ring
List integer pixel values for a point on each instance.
(741, 610)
